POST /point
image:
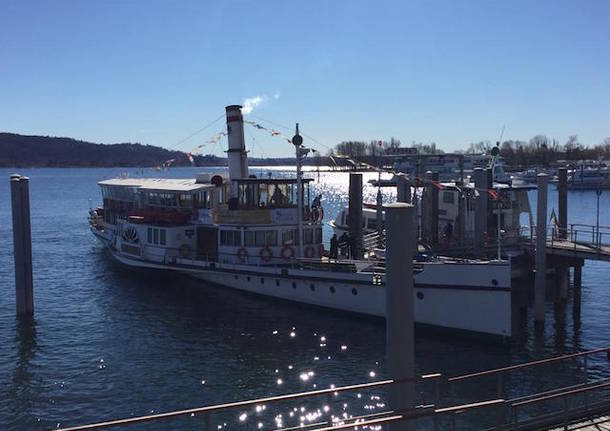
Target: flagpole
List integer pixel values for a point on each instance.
(499, 208)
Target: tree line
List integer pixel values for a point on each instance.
(539, 150)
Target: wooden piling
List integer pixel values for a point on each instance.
(562, 189)
(400, 337)
(354, 221)
(22, 244)
(540, 282)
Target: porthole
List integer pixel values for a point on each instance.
(294, 285)
(277, 282)
(248, 278)
(332, 289)
(312, 287)
(420, 295)
(494, 282)
(354, 291)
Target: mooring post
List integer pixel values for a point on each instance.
(540, 283)
(354, 221)
(562, 189)
(563, 278)
(434, 209)
(426, 210)
(400, 337)
(480, 212)
(577, 291)
(22, 245)
(403, 189)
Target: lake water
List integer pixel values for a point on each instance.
(110, 342)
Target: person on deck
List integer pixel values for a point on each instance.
(448, 232)
(334, 247)
(343, 245)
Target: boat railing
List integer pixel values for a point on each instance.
(173, 256)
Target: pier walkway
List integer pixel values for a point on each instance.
(581, 242)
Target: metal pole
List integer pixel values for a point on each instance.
(599, 193)
(22, 244)
(499, 219)
(480, 216)
(400, 343)
(540, 248)
(297, 140)
(562, 188)
(434, 208)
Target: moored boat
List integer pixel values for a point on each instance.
(265, 236)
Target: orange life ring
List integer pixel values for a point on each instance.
(242, 254)
(310, 251)
(287, 252)
(321, 250)
(265, 254)
(185, 250)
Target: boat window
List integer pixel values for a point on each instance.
(289, 237)
(186, 200)
(149, 237)
(271, 237)
(307, 236)
(156, 236)
(448, 198)
(249, 238)
(230, 237)
(260, 238)
(318, 235)
(372, 223)
(203, 199)
(162, 236)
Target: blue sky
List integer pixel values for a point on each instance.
(450, 72)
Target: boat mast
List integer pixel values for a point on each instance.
(297, 141)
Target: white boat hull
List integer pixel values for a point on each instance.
(469, 296)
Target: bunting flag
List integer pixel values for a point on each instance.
(190, 157)
(554, 220)
(437, 185)
(493, 194)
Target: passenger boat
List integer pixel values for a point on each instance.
(451, 166)
(263, 236)
(589, 178)
(513, 203)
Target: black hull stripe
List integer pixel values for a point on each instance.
(322, 279)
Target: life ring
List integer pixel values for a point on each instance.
(309, 251)
(321, 250)
(287, 252)
(265, 254)
(242, 254)
(184, 250)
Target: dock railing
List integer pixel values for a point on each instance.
(207, 411)
(506, 413)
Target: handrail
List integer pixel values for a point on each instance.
(244, 403)
(471, 406)
(527, 364)
(560, 395)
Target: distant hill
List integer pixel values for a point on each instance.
(46, 151)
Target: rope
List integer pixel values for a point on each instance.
(196, 132)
